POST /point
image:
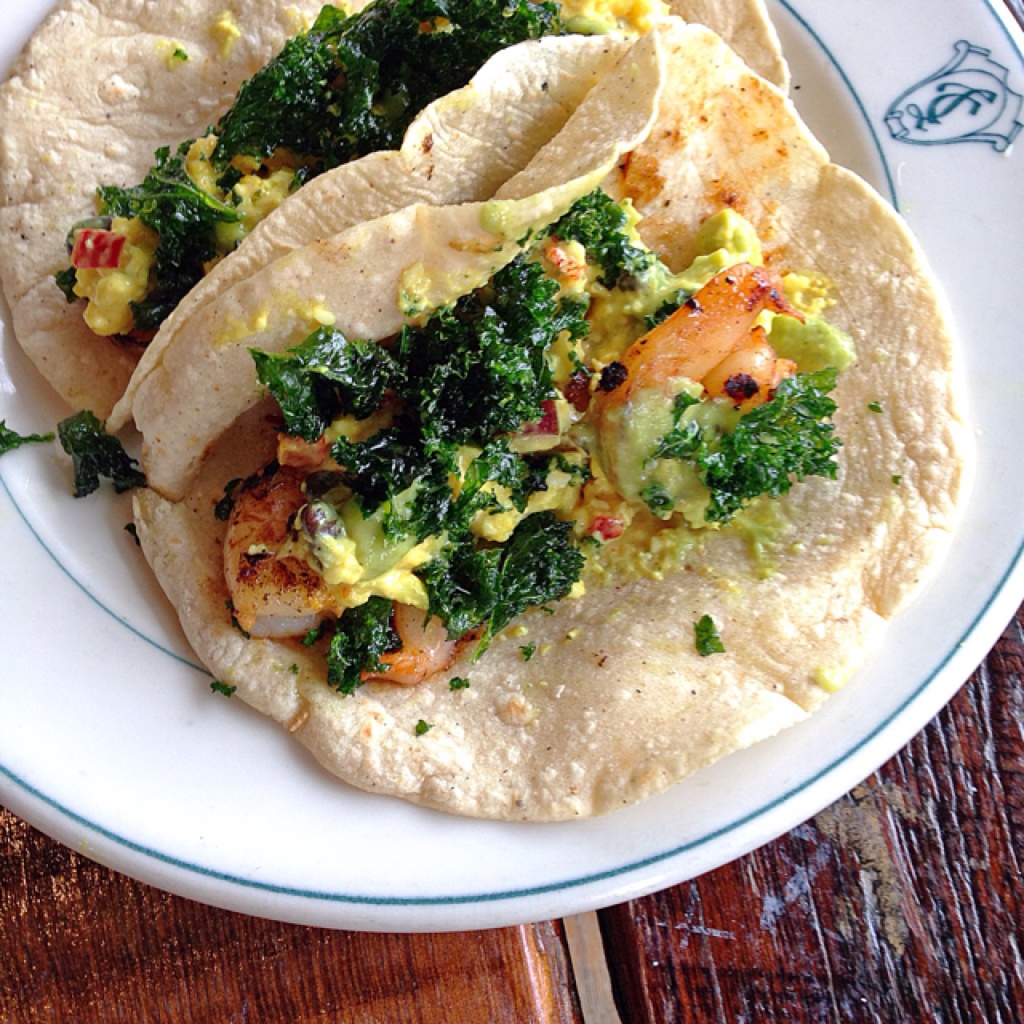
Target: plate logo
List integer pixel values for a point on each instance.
(966, 100)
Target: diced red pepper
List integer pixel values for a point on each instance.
(577, 390)
(607, 527)
(547, 424)
(97, 249)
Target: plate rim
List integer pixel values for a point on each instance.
(984, 631)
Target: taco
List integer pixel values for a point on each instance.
(529, 509)
(77, 150)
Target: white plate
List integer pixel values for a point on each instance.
(111, 740)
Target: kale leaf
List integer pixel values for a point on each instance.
(287, 102)
(540, 563)
(598, 223)
(352, 85)
(184, 216)
(95, 453)
(324, 377)
(462, 584)
(790, 436)
(382, 465)
(361, 636)
(479, 369)
(10, 439)
(472, 587)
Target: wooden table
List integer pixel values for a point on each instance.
(901, 902)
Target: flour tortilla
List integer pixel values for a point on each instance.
(94, 94)
(617, 704)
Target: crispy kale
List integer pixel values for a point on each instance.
(325, 377)
(471, 587)
(540, 563)
(791, 436)
(10, 439)
(360, 637)
(352, 85)
(383, 465)
(95, 453)
(598, 223)
(184, 216)
(348, 87)
(479, 368)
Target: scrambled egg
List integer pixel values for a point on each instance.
(633, 17)
(225, 32)
(110, 292)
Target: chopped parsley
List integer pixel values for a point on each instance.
(218, 687)
(875, 407)
(683, 441)
(423, 727)
(9, 439)
(458, 683)
(222, 510)
(95, 454)
(706, 637)
(658, 499)
(528, 650)
(313, 635)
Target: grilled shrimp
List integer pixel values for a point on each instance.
(711, 327)
(271, 596)
(425, 651)
(710, 341)
(278, 597)
(749, 375)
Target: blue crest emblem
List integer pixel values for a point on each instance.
(967, 100)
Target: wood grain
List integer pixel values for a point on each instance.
(81, 943)
(903, 901)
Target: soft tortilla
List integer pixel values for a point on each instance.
(626, 706)
(93, 95)
(205, 377)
